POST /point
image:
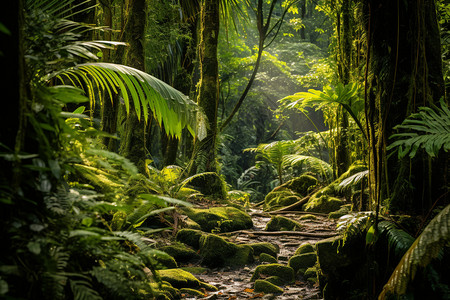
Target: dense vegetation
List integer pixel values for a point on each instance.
(125, 114)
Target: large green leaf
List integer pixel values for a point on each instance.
(169, 106)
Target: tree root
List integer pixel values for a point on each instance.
(278, 233)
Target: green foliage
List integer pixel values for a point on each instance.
(429, 129)
(398, 239)
(424, 249)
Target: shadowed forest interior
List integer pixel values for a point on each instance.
(225, 149)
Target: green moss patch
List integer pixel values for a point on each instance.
(263, 286)
(310, 273)
(302, 261)
(163, 260)
(223, 219)
(304, 248)
(217, 252)
(179, 278)
(181, 252)
(286, 273)
(190, 237)
(308, 217)
(195, 270)
(323, 204)
(264, 247)
(339, 213)
(191, 292)
(279, 223)
(264, 257)
(275, 280)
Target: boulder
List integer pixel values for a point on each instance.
(190, 237)
(344, 210)
(302, 261)
(304, 248)
(209, 184)
(180, 252)
(275, 280)
(163, 260)
(264, 286)
(330, 259)
(179, 278)
(264, 257)
(279, 223)
(222, 219)
(265, 247)
(218, 252)
(323, 203)
(310, 273)
(285, 273)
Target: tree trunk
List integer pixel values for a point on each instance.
(404, 72)
(132, 142)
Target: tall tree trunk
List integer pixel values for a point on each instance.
(303, 13)
(204, 155)
(404, 72)
(132, 141)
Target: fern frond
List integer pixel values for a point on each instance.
(124, 163)
(425, 248)
(353, 180)
(135, 238)
(82, 290)
(319, 166)
(428, 129)
(398, 239)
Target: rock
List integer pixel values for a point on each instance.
(323, 203)
(283, 272)
(289, 192)
(191, 224)
(223, 219)
(163, 261)
(308, 217)
(264, 247)
(218, 252)
(264, 257)
(181, 252)
(263, 286)
(302, 261)
(191, 292)
(340, 212)
(195, 270)
(310, 273)
(329, 257)
(304, 248)
(190, 237)
(167, 291)
(275, 280)
(179, 278)
(209, 184)
(279, 223)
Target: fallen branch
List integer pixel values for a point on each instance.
(297, 204)
(297, 212)
(277, 233)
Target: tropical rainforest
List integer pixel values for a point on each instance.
(225, 149)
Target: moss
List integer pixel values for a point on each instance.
(224, 219)
(190, 237)
(208, 287)
(191, 224)
(301, 261)
(179, 278)
(323, 204)
(286, 273)
(265, 247)
(263, 286)
(181, 252)
(312, 280)
(195, 270)
(308, 217)
(301, 185)
(191, 292)
(264, 257)
(164, 261)
(280, 198)
(339, 213)
(277, 280)
(210, 184)
(217, 252)
(279, 223)
(329, 257)
(170, 291)
(304, 248)
(310, 273)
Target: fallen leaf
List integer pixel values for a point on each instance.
(259, 295)
(248, 290)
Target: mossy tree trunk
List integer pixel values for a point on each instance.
(132, 140)
(404, 71)
(204, 154)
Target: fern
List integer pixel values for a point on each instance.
(398, 239)
(135, 238)
(316, 165)
(425, 248)
(429, 129)
(82, 289)
(353, 180)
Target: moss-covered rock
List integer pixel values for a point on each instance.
(223, 219)
(302, 261)
(280, 198)
(195, 270)
(275, 280)
(265, 247)
(323, 204)
(181, 252)
(179, 278)
(264, 257)
(210, 184)
(310, 272)
(302, 184)
(191, 292)
(163, 261)
(345, 209)
(304, 248)
(190, 237)
(166, 291)
(263, 286)
(308, 217)
(191, 224)
(286, 273)
(329, 257)
(217, 252)
(279, 223)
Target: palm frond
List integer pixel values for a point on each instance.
(169, 106)
(428, 129)
(316, 164)
(353, 180)
(425, 248)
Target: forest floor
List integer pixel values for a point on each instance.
(234, 283)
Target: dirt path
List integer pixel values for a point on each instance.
(234, 283)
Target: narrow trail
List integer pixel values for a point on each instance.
(234, 283)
